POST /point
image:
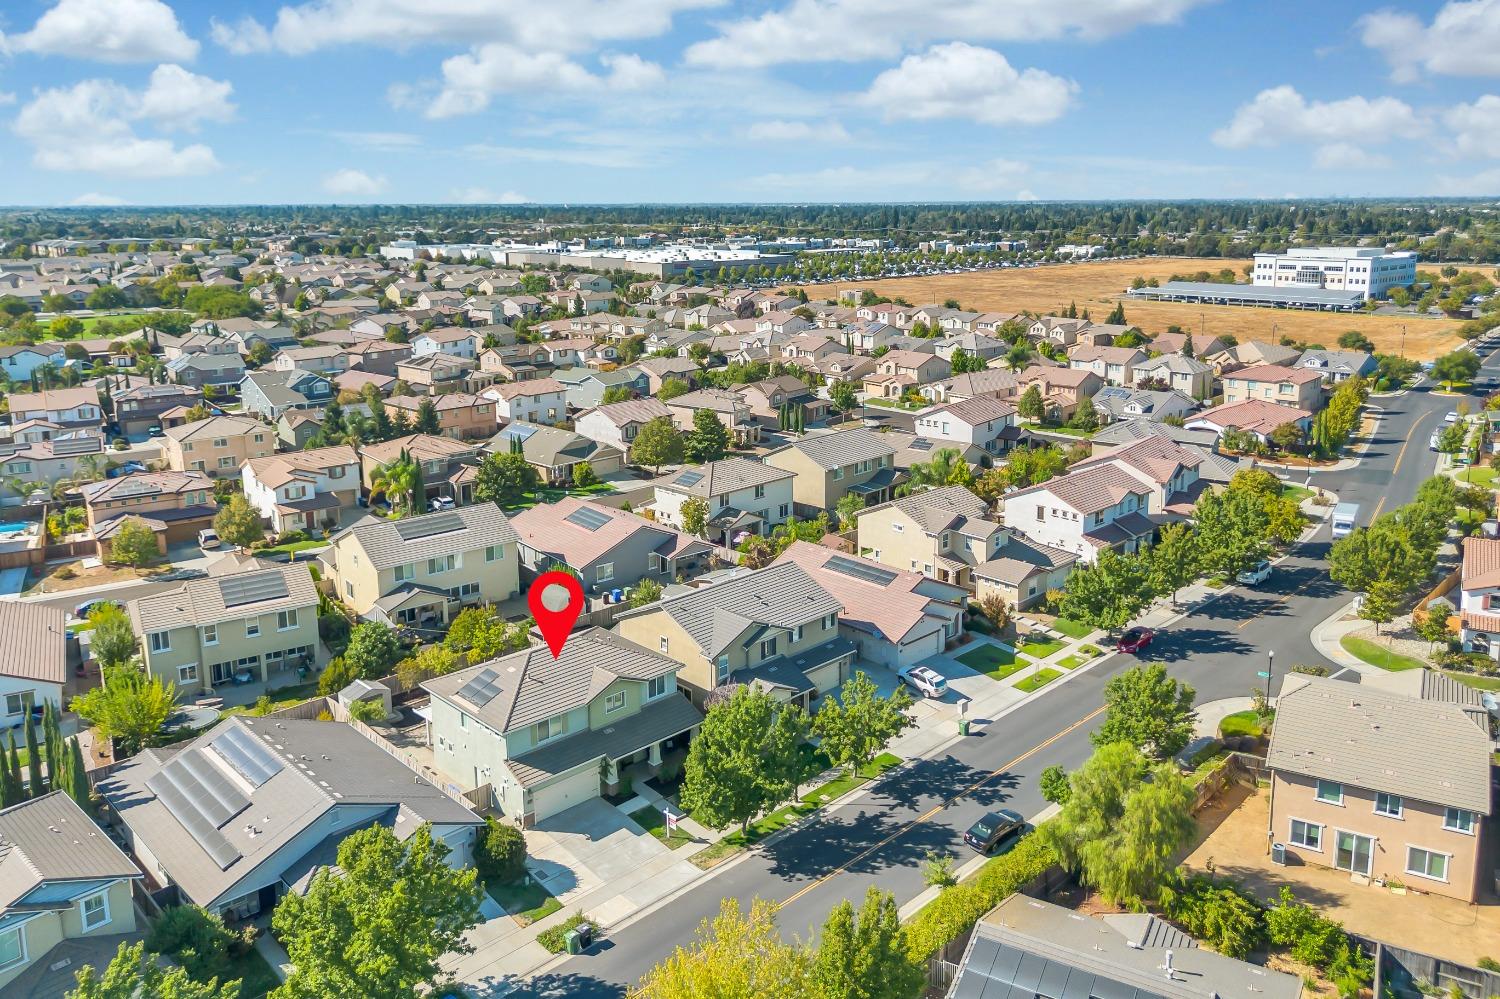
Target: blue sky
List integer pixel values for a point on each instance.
(185, 101)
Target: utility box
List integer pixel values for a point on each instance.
(1278, 854)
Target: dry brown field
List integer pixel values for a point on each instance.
(1096, 286)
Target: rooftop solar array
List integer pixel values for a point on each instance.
(425, 527)
(66, 446)
(202, 799)
(921, 444)
(587, 518)
(482, 689)
(859, 570)
(689, 478)
(250, 759)
(519, 432)
(252, 588)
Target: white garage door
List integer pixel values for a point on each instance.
(566, 792)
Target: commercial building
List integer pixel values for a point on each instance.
(1369, 270)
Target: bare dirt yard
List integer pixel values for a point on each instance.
(1096, 286)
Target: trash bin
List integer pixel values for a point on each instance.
(585, 933)
(574, 942)
(963, 726)
(1278, 854)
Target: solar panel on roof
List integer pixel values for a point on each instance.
(859, 570)
(482, 689)
(252, 588)
(425, 527)
(519, 432)
(197, 825)
(689, 478)
(65, 446)
(202, 799)
(252, 760)
(921, 444)
(587, 518)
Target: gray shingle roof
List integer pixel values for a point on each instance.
(939, 509)
(51, 839)
(474, 527)
(841, 448)
(201, 601)
(717, 478)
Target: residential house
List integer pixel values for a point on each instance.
(773, 628)
(1112, 403)
(913, 450)
(991, 382)
(768, 397)
(895, 618)
(1132, 429)
(1297, 387)
(217, 446)
(419, 572)
(67, 407)
(303, 490)
(546, 733)
(1172, 471)
(940, 533)
(1253, 416)
(1173, 343)
(455, 341)
(618, 423)
(1187, 375)
(1249, 354)
(828, 466)
(67, 892)
(515, 363)
(460, 414)
(19, 362)
(899, 370)
(608, 549)
(449, 467)
(356, 381)
(983, 422)
(295, 427)
(140, 408)
(219, 368)
(540, 400)
(585, 387)
(659, 369)
(327, 360)
(268, 394)
(1063, 389)
(1083, 512)
(177, 505)
(868, 335)
(744, 496)
(837, 368)
(1060, 331)
(555, 453)
(1113, 365)
(986, 348)
(29, 464)
(730, 408)
(378, 357)
(1479, 596)
(436, 374)
(286, 793)
(33, 660)
(1022, 572)
(1339, 365)
(1382, 784)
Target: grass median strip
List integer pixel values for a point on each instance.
(1378, 655)
(1073, 629)
(810, 802)
(1070, 662)
(1039, 646)
(1038, 680)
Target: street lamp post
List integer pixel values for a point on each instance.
(1270, 668)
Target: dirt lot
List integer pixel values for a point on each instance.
(1096, 287)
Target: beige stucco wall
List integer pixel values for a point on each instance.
(897, 549)
(359, 585)
(183, 456)
(233, 643)
(51, 928)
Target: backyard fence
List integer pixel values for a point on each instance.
(1403, 973)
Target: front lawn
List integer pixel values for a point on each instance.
(293, 546)
(1467, 679)
(992, 661)
(1073, 629)
(654, 822)
(1298, 493)
(1241, 723)
(524, 901)
(1039, 646)
(1070, 662)
(1379, 655)
(1038, 680)
(1481, 475)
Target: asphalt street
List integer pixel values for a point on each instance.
(882, 838)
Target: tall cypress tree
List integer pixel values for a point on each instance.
(13, 771)
(34, 785)
(52, 734)
(78, 776)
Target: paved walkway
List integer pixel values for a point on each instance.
(1213, 712)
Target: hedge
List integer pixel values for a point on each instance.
(955, 911)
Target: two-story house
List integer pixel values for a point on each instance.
(617, 423)
(585, 387)
(899, 370)
(461, 415)
(732, 411)
(218, 446)
(455, 341)
(1300, 388)
(177, 505)
(1172, 471)
(1253, 416)
(449, 467)
(327, 359)
(984, 422)
(1063, 390)
(659, 369)
(303, 490)
(775, 628)
(436, 374)
(19, 361)
(259, 625)
(68, 407)
(418, 572)
(1113, 365)
(940, 533)
(1383, 784)
(771, 397)
(828, 466)
(222, 368)
(995, 382)
(33, 660)
(1084, 512)
(1059, 330)
(268, 394)
(546, 733)
(64, 881)
(1339, 365)
(1479, 596)
(1112, 403)
(1188, 375)
(608, 549)
(540, 400)
(744, 496)
(139, 408)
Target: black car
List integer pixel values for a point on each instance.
(994, 829)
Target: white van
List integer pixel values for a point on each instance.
(1344, 517)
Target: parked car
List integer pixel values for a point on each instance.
(208, 538)
(1135, 640)
(1195, 752)
(154, 431)
(1451, 416)
(86, 608)
(994, 829)
(1432, 442)
(925, 681)
(440, 503)
(1255, 575)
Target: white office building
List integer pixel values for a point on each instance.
(1368, 270)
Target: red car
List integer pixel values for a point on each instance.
(1135, 640)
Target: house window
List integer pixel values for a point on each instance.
(494, 553)
(1459, 820)
(605, 572)
(663, 644)
(551, 728)
(614, 702)
(829, 621)
(349, 589)
(1426, 863)
(161, 641)
(20, 703)
(838, 473)
(1041, 513)
(252, 627)
(13, 947)
(768, 648)
(286, 620)
(95, 910)
(405, 572)
(436, 566)
(721, 671)
(899, 528)
(656, 686)
(1330, 792)
(210, 634)
(1388, 804)
(783, 511)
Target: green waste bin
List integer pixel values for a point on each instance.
(963, 726)
(574, 942)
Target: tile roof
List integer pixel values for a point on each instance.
(1274, 373)
(546, 528)
(1354, 734)
(841, 447)
(54, 399)
(892, 609)
(215, 426)
(1481, 567)
(468, 528)
(275, 469)
(535, 386)
(144, 484)
(202, 601)
(422, 447)
(1020, 558)
(654, 722)
(939, 509)
(1090, 490)
(1255, 415)
(50, 838)
(36, 646)
(632, 411)
(717, 478)
(979, 409)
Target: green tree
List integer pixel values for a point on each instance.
(946, 467)
(658, 443)
(864, 956)
(238, 523)
(1232, 531)
(505, 479)
(847, 510)
(1147, 709)
(709, 439)
(134, 544)
(1380, 604)
(1053, 783)
(736, 955)
(130, 976)
(373, 650)
(744, 760)
(856, 727)
(647, 591)
(671, 388)
(964, 362)
(695, 516)
(380, 925)
(617, 393)
(1031, 405)
(427, 421)
(1457, 366)
(843, 395)
(1172, 562)
(1109, 593)
(1018, 356)
(1382, 554)
(500, 852)
(584, 475)
(34, 784)
(113, 636)
(1028, 466)
(129, 708)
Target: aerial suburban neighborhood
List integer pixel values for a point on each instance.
(814, 557)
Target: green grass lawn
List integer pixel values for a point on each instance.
(787, 814)
(1467, 679)
(1481, 475)
(1073, 629)
(526, 901)
(992, 661)
(281, 697)
(1241, 723)
(1089, 650)
(1038, 646)
(1379, 655)
(1065, 431)
(1298, 493)
(255, 973)
(654, 822)
(295, 546)
(1071, 662)
(553, 495)
(90, 322)
(1038, 680)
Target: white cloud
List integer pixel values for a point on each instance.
(1281, 114)
(90, 126)
(484, 196)
(244, 37)
(1462, 40)
(1346, 156)
(959, 80)
(858, 30)
(1483, 184)
(898, 181)
(350, 183)
(95, 198)
(7, 98)
(109, 31)
(470, 80)
(1476, 127)
(797, 131)
(383, 142)
(1024, 194)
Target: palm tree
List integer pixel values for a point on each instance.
(398, 481)
(947, 468)
(1017, 357)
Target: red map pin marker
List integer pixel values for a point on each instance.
(556, 600)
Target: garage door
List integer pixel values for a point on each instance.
(564, 793)
(925, 647)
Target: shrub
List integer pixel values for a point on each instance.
(957, 909)
(555, 939)
(937, 870)
(1310, 670)
(196, 938)
(369, 712)
(500, 852)
(1053, 784)
(1321, 942)
(1230, 921)
(66, 572)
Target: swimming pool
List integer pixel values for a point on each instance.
(13, 527)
